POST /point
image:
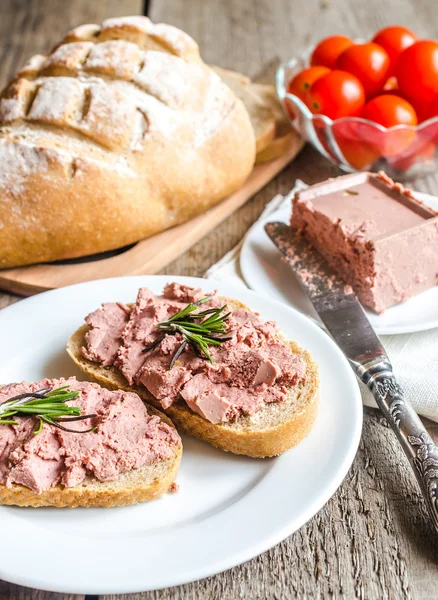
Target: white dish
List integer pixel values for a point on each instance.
(264, 272)
(228, 509)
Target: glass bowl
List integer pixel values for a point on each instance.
(356, 144)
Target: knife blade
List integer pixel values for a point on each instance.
(347, 323)
(334, 301)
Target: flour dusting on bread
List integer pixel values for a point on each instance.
(130, 93)
(18, 162)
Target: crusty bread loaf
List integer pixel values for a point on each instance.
(121, 132)
(269, 432)
(138, 485)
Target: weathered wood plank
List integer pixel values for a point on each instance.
(7, 299)
(15, 592)
(29, 27)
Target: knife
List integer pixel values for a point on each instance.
(347, 323)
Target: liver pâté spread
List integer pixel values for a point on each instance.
(373, 233)
(251, 369)
(126, 438)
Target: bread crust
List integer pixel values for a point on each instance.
(261, 113)
(273, 430)
(120, 133)
(271, 125)
(148, 487)
(275, 149)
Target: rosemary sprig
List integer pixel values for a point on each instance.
(48, 405)
(199, 330)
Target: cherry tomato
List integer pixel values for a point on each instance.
(423, 109)
(302, 82)
(369, 62)
(394, 40)
(337, 94)
(358, 153)
(328, 50)
(431, 110)
(390, 110)
(417, 71)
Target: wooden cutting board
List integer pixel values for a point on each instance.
(149, 255)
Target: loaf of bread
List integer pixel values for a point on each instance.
(119, 133)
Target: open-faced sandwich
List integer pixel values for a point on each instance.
(220, 372)
(67, 443)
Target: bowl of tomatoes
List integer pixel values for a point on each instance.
(367, 105)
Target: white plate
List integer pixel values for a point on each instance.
(264, 272)
(228, 509)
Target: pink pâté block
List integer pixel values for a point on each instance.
(373, 233)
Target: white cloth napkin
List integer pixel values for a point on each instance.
(413, 355)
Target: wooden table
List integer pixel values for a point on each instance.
(371, 540)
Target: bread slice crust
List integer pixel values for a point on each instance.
(139, 485)
(274, 429)
(261, 115)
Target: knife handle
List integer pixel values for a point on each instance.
(419, 447)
